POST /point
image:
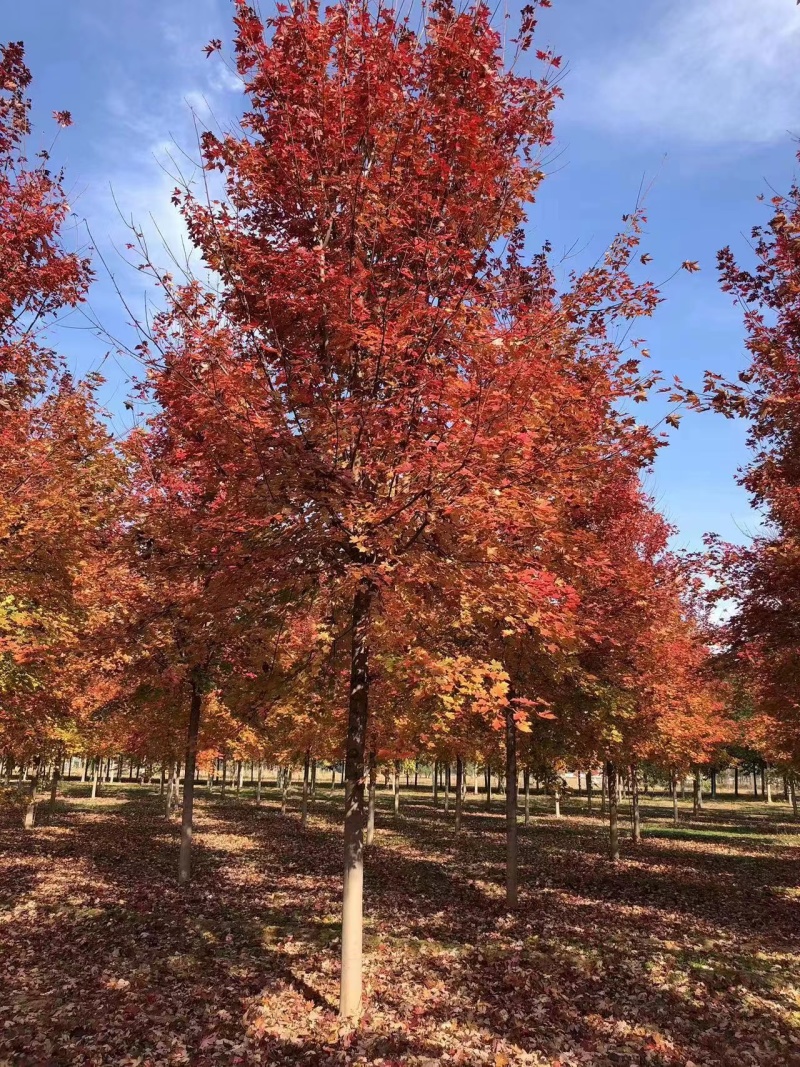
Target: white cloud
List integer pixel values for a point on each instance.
(152, 144)
(710, 71)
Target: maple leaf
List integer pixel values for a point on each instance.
(63, 118)
(690, 265)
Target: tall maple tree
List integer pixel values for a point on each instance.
(761, 579)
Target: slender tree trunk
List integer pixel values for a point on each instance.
(526, 778)
(172, 791)
(353, 887)
(84, 768)
(259, 780)
(447, 788)
(713, 785)
(763, 781)
(313, 780)
(755, 782)
(613, 824)
(162, 780)
(674, 783)
(55, 780)
(30, 810)
(416, 773)
(286, 784)
(459, 793)
(635, 811)
(511, 808)
(397, 767)
(372, 790)
(488, 776)
(793, 792)
(767, 783)
(435, 783)
(557, 797)
(698, 791)
(736, 782)
(192, 733)
(589, 792)
(95, 777)
(603, 791)
(239, 777)
(306, 785)
(786, 788)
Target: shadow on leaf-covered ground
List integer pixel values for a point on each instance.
(684, 952)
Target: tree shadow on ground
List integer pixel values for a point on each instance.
(644, 962)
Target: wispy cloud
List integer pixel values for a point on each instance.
(151, 144)
(707, 71)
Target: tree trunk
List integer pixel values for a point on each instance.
(373, 787)
(95, 777)
(736, 782)
(674, 783)
(397, 766)
(30, 810)
(239, 777)
(192, 733)
(768, 784)
(488, 777)
(603, 791)
(162, 780)
(306, 784)
(353, 887)
(172, 791)
(447, 788)
(793, 792)
(698, 791)
(526, 778)
(313, 780)
(84, 768)
(435, 782)
(636, 813)
(459, 793)
(589, 792)
(613, 825)
(258, 781)
(511, 808)
(763, 781)
(755, 782)
(557, 797)
(713, 785)
(55, 779)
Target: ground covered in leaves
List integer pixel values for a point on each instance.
(684, 953)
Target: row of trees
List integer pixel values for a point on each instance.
(388, 504)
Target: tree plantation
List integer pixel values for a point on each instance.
(356, 706)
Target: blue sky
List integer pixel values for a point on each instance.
(700, 99)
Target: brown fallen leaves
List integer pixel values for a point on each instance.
(685, 952)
